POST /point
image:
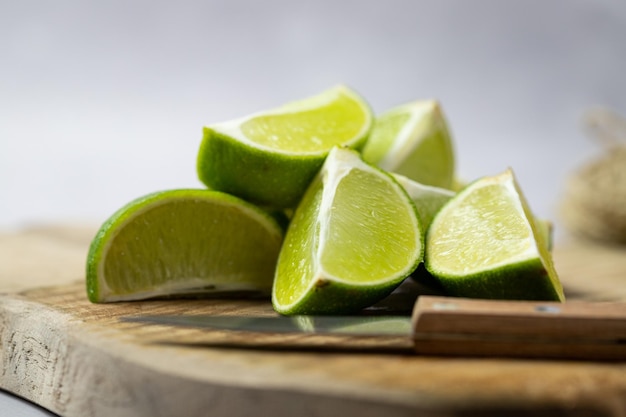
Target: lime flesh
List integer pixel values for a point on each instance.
(316, 128)
(353, 238)
(183, 242)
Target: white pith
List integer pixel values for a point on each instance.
(418, 190)
(188, 286)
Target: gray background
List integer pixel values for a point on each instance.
(101, 102)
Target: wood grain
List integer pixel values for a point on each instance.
(503, 328)
(76, 359)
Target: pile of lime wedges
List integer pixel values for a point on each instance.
(328, 208)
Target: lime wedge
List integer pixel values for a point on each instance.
(353, 238)
(485, 243)
(183, 242)
(270, 157)
(414, 140)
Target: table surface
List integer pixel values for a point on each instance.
(60, 254)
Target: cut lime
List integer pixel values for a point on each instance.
(428, 199)
(414, 140)
(353, 238)
(183, 242)
(271, 157)
(485, 243)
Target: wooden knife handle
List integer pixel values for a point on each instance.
(471, 327)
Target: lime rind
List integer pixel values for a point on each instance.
(187, 273)
(267, 179)
(525, 280)
(338, 298)
(304, 282)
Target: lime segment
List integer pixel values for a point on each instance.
(354, 237)
(270, 157)
(485, 243)
(183, 242)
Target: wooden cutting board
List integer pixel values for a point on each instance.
(75, 359)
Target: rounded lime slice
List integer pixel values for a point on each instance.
(183, 242)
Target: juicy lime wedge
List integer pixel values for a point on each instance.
(413, 140)
(353, 238)
(271, 157)
(485, 243)
(183, 242)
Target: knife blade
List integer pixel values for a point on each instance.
(450, 326)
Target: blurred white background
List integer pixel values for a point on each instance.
(101, 102)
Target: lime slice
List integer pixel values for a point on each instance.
(428, 199)
(183, 242)
(271, 157)
(485, 243)
(353, 238)
(413, 140)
